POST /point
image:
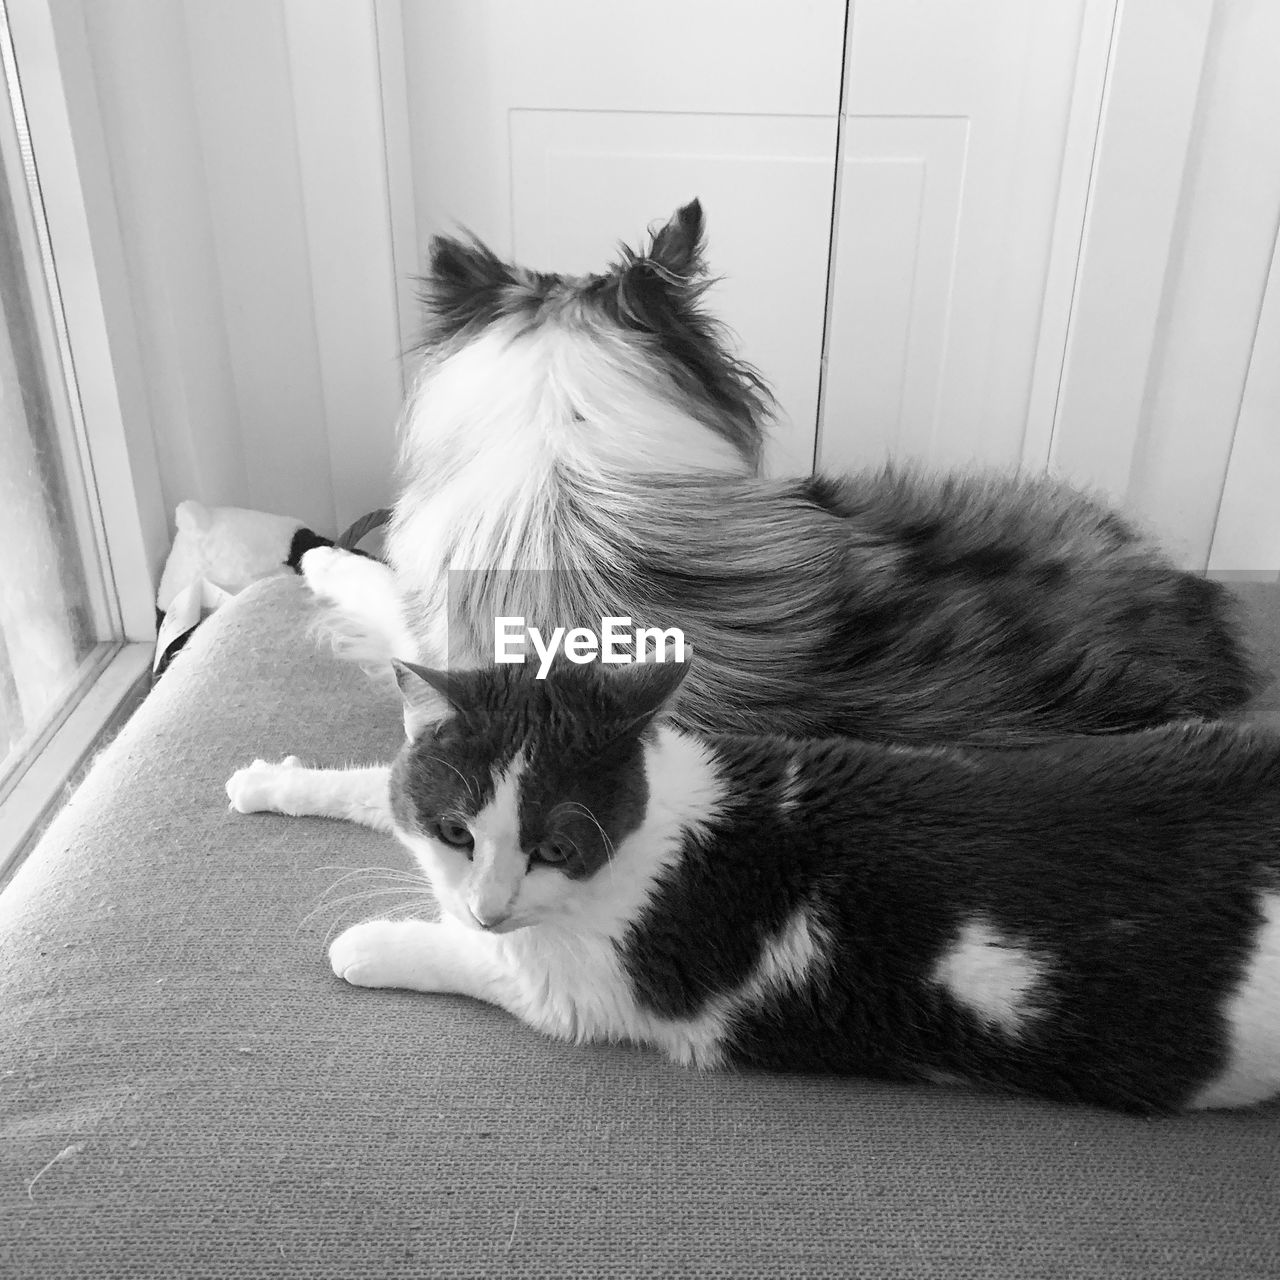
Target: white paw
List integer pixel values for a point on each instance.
(257, 788)
(380, 953)
(319, 567)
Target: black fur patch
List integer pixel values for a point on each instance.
(466, 286)
(304, 540)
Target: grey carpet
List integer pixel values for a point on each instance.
(216, 1103)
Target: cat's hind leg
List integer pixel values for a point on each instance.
(352, 795)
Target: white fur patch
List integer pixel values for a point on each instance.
(790, 794)
(497, 863)
(563, 391)
(1253, 1014)
(991, 975)
(494, 430)
(790, 960)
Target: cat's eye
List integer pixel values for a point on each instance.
(552, 852)
(457, 834)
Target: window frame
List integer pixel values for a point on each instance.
(45, 67)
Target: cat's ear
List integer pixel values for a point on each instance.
(656, 287)
(465, 283)
(428, 696)
(650, 690)
(677, 248)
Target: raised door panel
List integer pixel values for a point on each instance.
(965, 146)
(524, 127)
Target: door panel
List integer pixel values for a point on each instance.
(893, 278)
(527, 129)
(962, 128)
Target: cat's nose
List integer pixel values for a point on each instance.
(488, 919)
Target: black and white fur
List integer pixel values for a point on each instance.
(1091, 921)
(598, 426)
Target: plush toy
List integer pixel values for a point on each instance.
(219, 551)
(228, 547)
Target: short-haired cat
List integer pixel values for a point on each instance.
(1092, 920)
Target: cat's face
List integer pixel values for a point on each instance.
(514, 793)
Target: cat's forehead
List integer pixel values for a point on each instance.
(514, 704)
(508, 726)
(547, 738)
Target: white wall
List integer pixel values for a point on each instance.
(244, 139)
(1184, 207)
(1223, 248)
(267, 250)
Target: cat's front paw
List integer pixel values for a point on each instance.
(369, 954)
(387, 953)
(320, 566)
(257, 788)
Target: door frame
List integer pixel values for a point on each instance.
(1246, 538)
(1126, 241)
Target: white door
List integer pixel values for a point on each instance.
(525, 127)
(966, 142)
(1247, 536)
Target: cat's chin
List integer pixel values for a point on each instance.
(507, 926)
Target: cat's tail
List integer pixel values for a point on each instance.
(359, 615)
(354, 640)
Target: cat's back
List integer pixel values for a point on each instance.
(904, 607)
(903, 840)
(1081, 920)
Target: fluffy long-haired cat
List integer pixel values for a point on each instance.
(1096, 920)
(598, 426)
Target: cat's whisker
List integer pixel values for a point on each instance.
(413, 908)
(421, 887)
(354, 883)
(417, 907)
(398, 877)
(382, 872)
(375, 892)
(604, 835)
(466, 782)
(361, 870)
(326, 900)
